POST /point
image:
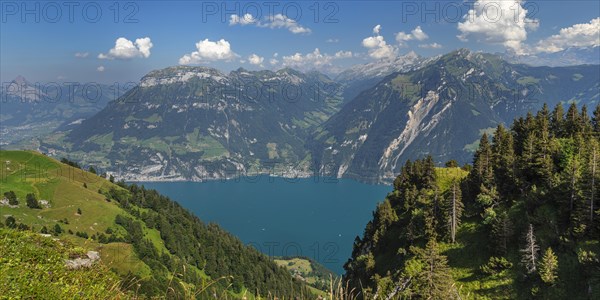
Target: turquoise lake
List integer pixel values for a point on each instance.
(313, 217)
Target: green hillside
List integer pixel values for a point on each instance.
(523, 223)
(309, 271)
(33, 267)
(155, 247)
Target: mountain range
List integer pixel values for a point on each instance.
(568, 57)
(441, 110)
(196, 123)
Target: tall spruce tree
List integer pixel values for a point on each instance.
(572, 121)
(596, 119)
(453, 209)
(503, 159)
(586, 123)
(482, 174)
(434, 280)
(557, 120)
(589, 185)
(542, 153)
(502, 232)
(549, 267)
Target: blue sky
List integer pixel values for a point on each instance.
(260, 37)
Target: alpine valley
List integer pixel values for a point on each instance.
(196, 123)
(32, 110)
(300, 150)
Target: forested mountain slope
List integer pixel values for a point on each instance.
(524, 223)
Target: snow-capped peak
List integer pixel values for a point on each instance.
(384, 67)
(180, 75)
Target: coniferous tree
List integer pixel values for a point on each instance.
(528, 154)
(428, 175)
(488, 201)
(549, 267)
(586, 123)
(12, 198)
(543, 118)
(502, 232)
(453, 209)
(482, 174)
(384, 217)
(32, 201)
(402, 181)
(593, 178)
(431, 223)
(529, 256)
(434, 280)
(503, 159)
(10, 222)
(519, 129)
(574, 174)
(437, 209)
(57, 229)
(451, 164)
(572, 121)
(542, 158)
(585, 206)
(557, 120)
(596, 119)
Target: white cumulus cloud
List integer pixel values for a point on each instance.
(207, 50)
(430, 46)
(578, 35)
(126, 49)
(82, 54)
(498, 22)
(416, 34)
(242, 20)
(281, 21)
(314, 60)
(273, 22)
(100, 69)
(376, 29)
(343, 54)
(378, 47)
(419, 34)
(255, 59)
